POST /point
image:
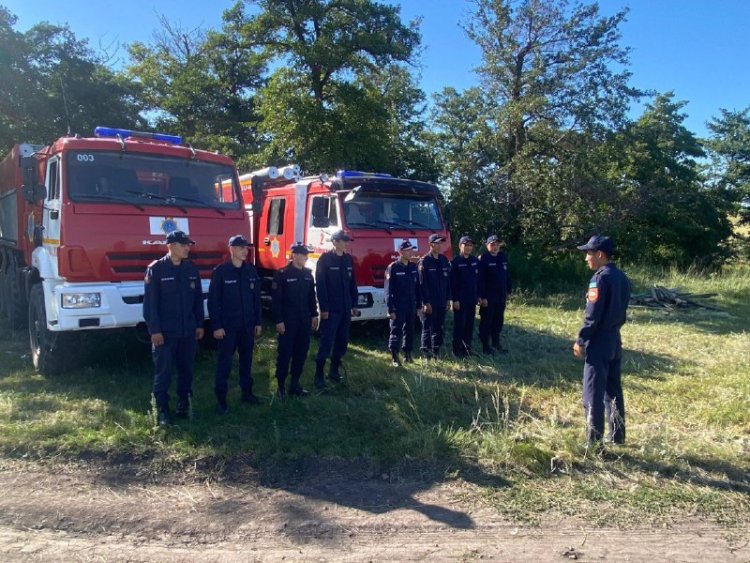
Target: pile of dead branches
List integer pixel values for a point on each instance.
(670, 299)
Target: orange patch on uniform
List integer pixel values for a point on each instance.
(593, 294)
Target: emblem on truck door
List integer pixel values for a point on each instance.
(275, 248)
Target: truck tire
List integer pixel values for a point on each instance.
(15, 309)
(46, 353)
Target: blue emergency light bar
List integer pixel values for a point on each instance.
(126, 133)
(344, 174)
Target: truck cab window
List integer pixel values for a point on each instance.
(53, 187)
(276, 216)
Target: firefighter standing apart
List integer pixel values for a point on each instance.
(234, 309)
(599, 342)
(173, 310)
(434, 283)
(337, 296)
(295, 312)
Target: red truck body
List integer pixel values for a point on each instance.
(377, 211)
(81, 218)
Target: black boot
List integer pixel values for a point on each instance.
(221, 404)
(281, 393)
(183, 407)
(320, 382)
(395, 362)
(407, 358)
(162, 417)
(334, 374)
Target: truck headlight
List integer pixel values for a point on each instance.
(81, 300)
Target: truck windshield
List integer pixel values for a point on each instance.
(140, 179)
(378, 210)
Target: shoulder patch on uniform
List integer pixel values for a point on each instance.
(593, 294)
(592, 283)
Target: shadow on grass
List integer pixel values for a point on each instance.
(375, 444)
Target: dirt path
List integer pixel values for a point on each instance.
(87, 515)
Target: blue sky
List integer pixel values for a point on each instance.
(696, 48)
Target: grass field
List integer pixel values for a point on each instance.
(511, 424)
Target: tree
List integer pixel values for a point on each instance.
(203, 85)
(556, 81)
(666, 215)
(730, 148)
(56, 84)
(342, 96)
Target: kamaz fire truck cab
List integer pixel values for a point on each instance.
(377, 211)
(83, 217)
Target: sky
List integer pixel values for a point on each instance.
(696, 48)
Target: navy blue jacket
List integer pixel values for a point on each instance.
(293, 296)
(337, 286)
(465, 279)
(234, 297)
(173, 299)
(494, 278)
(402, 288)
(607, 301)
(434, 280)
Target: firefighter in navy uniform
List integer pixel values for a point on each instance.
(434, 284)
(337, 295)
(465, 294)
(494, 288)
(173, 310)
(599, 342)
(295, 312)
(235, 313)
(404, 300)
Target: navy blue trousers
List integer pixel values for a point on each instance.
(491, 321)
(463, 328)
(433, 329)
(334, 337)
(240, 340)
(175, 352)
(602, 389)
(402, 331)
(293, 346)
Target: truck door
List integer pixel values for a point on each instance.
(51, 212)
(322, 220)
(275, 242)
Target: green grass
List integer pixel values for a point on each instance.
(512, 425)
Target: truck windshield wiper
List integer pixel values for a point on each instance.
(421, 225)
(110, 198)
(400, 225)
(371, 225)
(202, 202)
(168, 200)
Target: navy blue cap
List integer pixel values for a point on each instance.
(466, 239)
(599, 242)
(436, 237)
(299, 248)
(238, 240)
(491, 239)
(179, 237)
(340, 235)
(406, 245)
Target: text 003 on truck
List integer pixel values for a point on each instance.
(81, 219)
(377, 211)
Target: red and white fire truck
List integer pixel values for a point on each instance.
(81, 218)
(377, 211)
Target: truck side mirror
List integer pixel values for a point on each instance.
(34, 192)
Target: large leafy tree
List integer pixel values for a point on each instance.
(555, 80)
(665, 213)
(341, 95)
(54, 83)
(202, 85)
(729, 146)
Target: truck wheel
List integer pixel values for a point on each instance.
(46, 354)
(16, 309)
